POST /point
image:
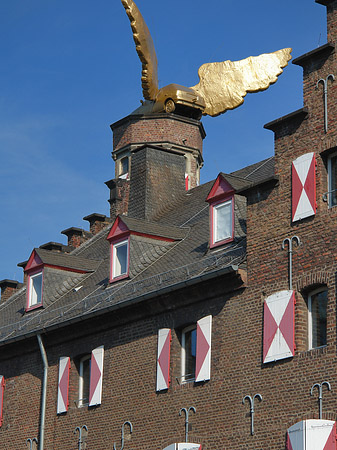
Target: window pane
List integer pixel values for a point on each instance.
(124, 165)
(190, 353)
(318, 317)
(333, 181)
(36, 289)
(86, 380)
(223, 221)
(84, 384)
(120, 259)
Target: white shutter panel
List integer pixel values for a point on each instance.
(183, 446)
(203, 357)
(188, 446)
(279, 326)
(63, 385)
(296, 437)
(320, 434)
(2, 389)
(312, 434)
(163, 359)
(96, 376)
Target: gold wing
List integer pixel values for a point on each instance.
(223, 85)
(145, 49)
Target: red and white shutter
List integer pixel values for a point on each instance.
(279, 326)
(186, 181)
(96, 376)
(163, 359)
(313, 434)
(2, 389)
(63, 385)
(303, 187)
(203, 357)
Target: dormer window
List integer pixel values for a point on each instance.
(35, 290)
(120, 259)
(221, 200)
(40, 285)
(222, 221)
(125, 231)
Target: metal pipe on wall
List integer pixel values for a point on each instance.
(44, 391)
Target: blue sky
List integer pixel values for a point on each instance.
(69, 69)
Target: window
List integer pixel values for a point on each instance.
(35, 290)
(317, 318)
(84, 380)
(120, 259)
(188, 353)
(221, 201)
(222, 222)
(332, 180)
(124, 167)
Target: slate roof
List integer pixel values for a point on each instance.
(65, 260)
(153, 228)
(258, 172)
(155, 266)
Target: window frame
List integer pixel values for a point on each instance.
(183, 375)
(310, 317)
(330, 190)
(124, 174)
(114, 246)
(81, 399)
(31, 276)
(213, 221)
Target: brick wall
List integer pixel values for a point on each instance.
(169, 131)
(158, 128)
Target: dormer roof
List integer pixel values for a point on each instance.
(49, 258)
(140, 227)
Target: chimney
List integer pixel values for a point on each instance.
(56, 247)
(97, 222)
(23, 266)
(119, 196)
(76, 236)
(8, 288)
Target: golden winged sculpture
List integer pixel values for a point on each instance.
(222, 85)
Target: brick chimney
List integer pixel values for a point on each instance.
(56, 247)
(97, 222)
(119, 196)
(8, 288)
(76, 236)
(158, 156)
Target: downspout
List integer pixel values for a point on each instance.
(44, 391)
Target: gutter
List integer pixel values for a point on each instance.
(44, 391)
(133, 301)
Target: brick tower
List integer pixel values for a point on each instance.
(158, 157)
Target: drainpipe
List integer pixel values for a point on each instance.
(44, 391)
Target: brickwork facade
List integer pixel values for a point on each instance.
(234, 298)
